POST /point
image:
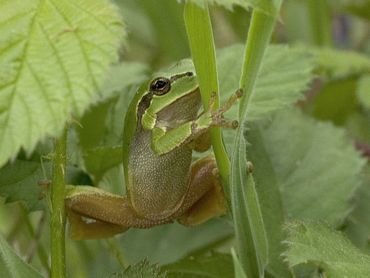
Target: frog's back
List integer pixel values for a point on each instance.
(157, 183)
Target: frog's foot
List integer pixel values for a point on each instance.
(215, 118)
(205, 198)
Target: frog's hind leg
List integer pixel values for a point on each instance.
(84, 228)
(94, 213)
(205, 198)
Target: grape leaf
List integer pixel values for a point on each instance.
(54, 58)
(328, 249)
(11, 265)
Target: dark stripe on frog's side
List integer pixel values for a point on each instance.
(142, 106)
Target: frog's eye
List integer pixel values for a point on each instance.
(160, 86)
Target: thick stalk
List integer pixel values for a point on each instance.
(58, 217)
(201, 42)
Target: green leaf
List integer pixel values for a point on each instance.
(54, 58)
(11, 265)
(141, 270)
(168, 243)
(124, 76)
(22, 180)
(101, 128)
(356, 7)
(19, 182)
(363, 91)
(284, 75)
(328, 249)
(316, 166)
(336, 101)
(358, 223)
(266, 6)
(100, 159)
(215, 265)
(340, 63)
(267, 187)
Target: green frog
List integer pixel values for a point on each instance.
(162, 128)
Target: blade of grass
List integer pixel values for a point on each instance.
(249, 228)
(199, 30)
(58, 216)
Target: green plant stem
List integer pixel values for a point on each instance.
(248, 222)
(259, 35)
(319, 17)
(58, 216)
(201, 42)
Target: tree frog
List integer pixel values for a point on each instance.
(162, 128)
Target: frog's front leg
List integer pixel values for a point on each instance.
(164, 140)
(94, 213)
(205, 198)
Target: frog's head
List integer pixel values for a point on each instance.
(170, 98)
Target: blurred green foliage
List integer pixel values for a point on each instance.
(306, 164)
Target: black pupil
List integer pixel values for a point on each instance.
(160, 84)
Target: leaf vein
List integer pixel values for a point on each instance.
(83, 50)
(16, 79)
(64, 71)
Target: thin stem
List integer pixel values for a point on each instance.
(319, 15)
(58, 216)
(248, 222)
(259, 35)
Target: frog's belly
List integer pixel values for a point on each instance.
(157, 184)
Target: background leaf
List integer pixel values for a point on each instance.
(11, 265)
(19, 182)
(267, 187)
(357, 225)
(284, 75)
(54, 57)
(340, 63)
(316, 168)
(269, 7)
(168, 243)
(214, 265)
(141, 270)
(363, 91)
(318, 244)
